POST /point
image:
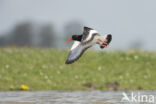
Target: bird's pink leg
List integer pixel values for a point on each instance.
(102, 41)
(102, 44)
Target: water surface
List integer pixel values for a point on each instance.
(69, 97)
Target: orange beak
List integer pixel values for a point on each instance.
(69, 40)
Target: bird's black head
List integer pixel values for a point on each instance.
(77, 37)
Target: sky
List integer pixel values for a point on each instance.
(129, 21)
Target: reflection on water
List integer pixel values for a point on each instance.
(67, 97)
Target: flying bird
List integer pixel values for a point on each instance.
(82, 42)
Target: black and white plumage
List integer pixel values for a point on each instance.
(82, 42)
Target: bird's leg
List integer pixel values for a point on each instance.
(102, 44)
(105, 43)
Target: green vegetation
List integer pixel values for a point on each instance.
(44, 69)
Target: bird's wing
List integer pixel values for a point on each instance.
(76, 52)
(87, 34)
(75, 44)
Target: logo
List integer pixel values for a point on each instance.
(137, 98)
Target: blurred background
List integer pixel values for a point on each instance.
(48, 23)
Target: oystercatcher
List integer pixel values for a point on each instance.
(85, 41)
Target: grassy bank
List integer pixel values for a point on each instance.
(44, 69)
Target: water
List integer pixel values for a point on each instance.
(70, 97)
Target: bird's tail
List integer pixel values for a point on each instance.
(108, 39)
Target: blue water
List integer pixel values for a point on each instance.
(70, 97)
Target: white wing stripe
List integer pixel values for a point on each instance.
(76, 44)
(90, 34)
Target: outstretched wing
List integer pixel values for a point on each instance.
(88, 34)
(75, 44)
(76, 52)
(79, 48)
